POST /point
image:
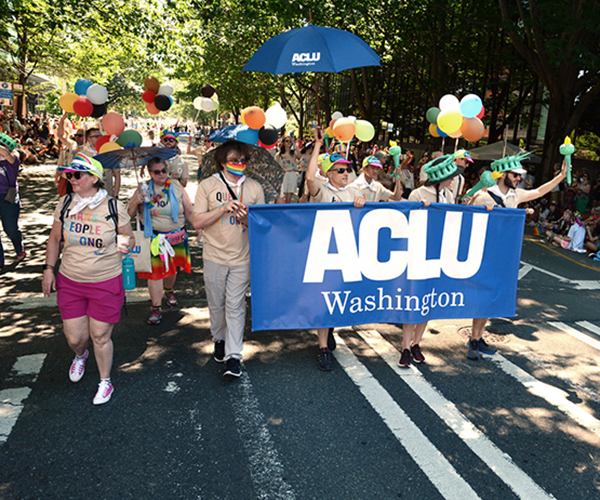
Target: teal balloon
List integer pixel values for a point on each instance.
(81, 86)
(130, 136)
(432, 114)
(470, 106)
(247, 135)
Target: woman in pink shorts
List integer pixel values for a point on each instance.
(89, 283)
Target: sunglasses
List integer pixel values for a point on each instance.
(70, 175)
(169, 140)
(342, 170)
(78, 135)
(159, 172)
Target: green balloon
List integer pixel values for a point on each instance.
(364, 130)
(130, 136)
(432, 114)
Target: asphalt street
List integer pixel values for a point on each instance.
(522, 424)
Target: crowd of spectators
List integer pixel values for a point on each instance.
(35, 137)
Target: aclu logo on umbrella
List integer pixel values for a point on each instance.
(305, 59)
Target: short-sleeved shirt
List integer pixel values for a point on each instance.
(287, 162)
(89, 253)
(381, 193)
(512, 199)
(226, 241)
(178, 168)
(328, 195)
(8, 175)
(162, 218)
(428, 193)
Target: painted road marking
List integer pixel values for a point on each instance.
(578, 284)
(439, 471)
(589, 326)
(11, 406)
(266, 469)
(524, 270)
(498, 461)
(576, 333)
(29, 365)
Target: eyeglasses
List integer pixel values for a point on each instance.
(159, 172)
(237, 161)
(78, 135)
(342, 170)
(70, 175)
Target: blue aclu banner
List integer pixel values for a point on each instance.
(318, 265)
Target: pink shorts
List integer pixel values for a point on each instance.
(564, 244)
(102, 301)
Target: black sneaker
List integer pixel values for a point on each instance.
(473, 352)
(417, 355)
(219, 351)
(485, 348)
(331, 344)
(233, 368)
(324, 359)
(405, 359)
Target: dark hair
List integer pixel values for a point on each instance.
(99, 183)
(222, 152)
(155, 161)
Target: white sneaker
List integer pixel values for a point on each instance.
(78, 367)
(105, 391)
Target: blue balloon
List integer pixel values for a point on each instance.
(441, 133)
(470, 106)
(247, 135)
(81, 86)
(170, 99)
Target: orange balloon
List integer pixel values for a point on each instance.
(152, 84)
(113, 123)
(254, 117)
(433, 130)
(455, 135)
(472, 129)
(332, 123)
(344, 129)
(152, 109)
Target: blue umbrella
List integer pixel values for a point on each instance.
(225, 133)
(312, 49)
(133, 157)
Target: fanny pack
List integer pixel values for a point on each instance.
(176, 237)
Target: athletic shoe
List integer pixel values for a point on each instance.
(105, 391)
(485, 348)
(171, 299)
(331, 343)
(22, 255)
(473, 352)
(233, 368)
(417, 356)
(78, 367)
(155, 316)
(219, 351)
(324, 360)
(404, 359)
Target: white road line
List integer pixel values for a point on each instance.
(439, 471)
(553, 395)
(11, 405)
(589, 326)
(265, 468)
(578, 284)
(28, 365)
(575, 333)
(498, 461)
(524, 270)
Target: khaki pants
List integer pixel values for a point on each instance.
(226, 294)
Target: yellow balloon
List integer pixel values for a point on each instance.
(66, 101)
(109, 146)
(450, 121)
(433, 130)
(329, 132)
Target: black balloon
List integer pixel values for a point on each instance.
(207, 90)
(162, 102)
(268, 135)
(99, 110)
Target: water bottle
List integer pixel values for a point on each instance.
(128, 273)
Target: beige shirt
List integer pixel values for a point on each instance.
(428, 193)
(178, 168)
(226, 241)
(89, 253)
(512, 199)
(162, 220)
(327, 195)
(381, 193)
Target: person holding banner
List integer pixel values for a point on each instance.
(504, 194)
(336, 189)
(370, 188)
(441, 173)
(221, 211)
(163, 210)
(462, 158)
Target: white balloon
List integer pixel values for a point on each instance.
(207, 104)
(337, 115)
(276, 116)
(166, 89)
(215, 97)
(449, 102)
(97, 94)
(198, 103)
(352, 118)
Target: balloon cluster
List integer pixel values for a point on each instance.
(454, 118)
(89, 99)
(260, 128)
(208, 101)
(116, 136)
(156, 96)
(344, 129)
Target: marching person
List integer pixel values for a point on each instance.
(89, 283)
(163, 212)
(178, 167)
(370, 188)
(221, 211)
(504, 194)
(287, 157)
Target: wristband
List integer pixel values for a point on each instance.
(48, 266)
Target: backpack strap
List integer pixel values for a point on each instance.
(113, 213)
(63, 213)
(497, 199)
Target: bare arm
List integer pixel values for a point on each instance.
(117, 183)
(188, 208)
(7, 155)
(52, 253)
(534, 194)
(134, 203)
(314, 186)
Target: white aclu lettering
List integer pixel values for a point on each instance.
(306, 57)
(354, 261)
